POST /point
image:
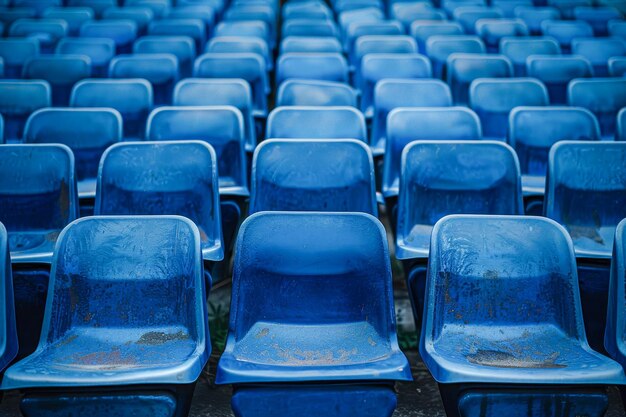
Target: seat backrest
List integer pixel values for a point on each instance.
(564, 31)
(122, 31)
(421, 30)
(74, 16)
(556, 72)
(61, 71)
(180, 46)
(257, 29)
(617, 28)
(617, 66)
(518, 49)
(88, 132)
(408, 12)
(566, 7)
(405, 125)
(158, 7)
(98, 6)
(306, 10)
(241, 44)
(313, 175)
(533, 131)
(178, 177)
(615, 333)
(620, 132)
(598, 52)
(315, 66)
(194, 28)
(462, 69)
(310, 44)
(309, 27)
(467, 16)
(604, 97)
(357, 29)
(586, 193)
(492, 30)
(381, 44)
(8, 329)
(48, 31)
(315, 93)
(597, 17)
(18, 99)
(99, 50)
(440, 47)
(15, 52)
(141, 15)
(493, 98)
(533, 16)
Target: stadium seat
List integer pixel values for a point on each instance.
(467, 16)
(313, 175)
(341, 6)
(326, 122)
(312, 66)
(37, 200)
(534, 16)
(158, 7)
(567, 7)
(617, 28)
(220, 92)
(462, 69)
(306, 10)
(382, 27)
(132, 97)
(440, 47)
(194, 28)
(381, 44)
(492, 30)
(98, 6)
(242, 44)
(204, 12)
(393, 93)
(18, 99)
(449, 6)
(38, 5)
(508, 6)
(617, 66)
(586, 193)
(556, 72)
(47, 31)
(310, 44)
(123, 32)
(564, 31)
(315, 93)
(60, 71)
(309, 27)
(255, 13)
(421, 30)
(597, 17)
(141, 15)
(99, 50)
(620, 131)
(614, 332)
(604, 97)
(180, 46)
(368, 14)
(127, 278)
(247, 66)
(493, 98)
(8, 326)
(255, 29)
(518, 49)
(74, 16)
(15, 52)
(599, 51)
(408, 12)
(304, 253)
(161, 70)
(502, 290)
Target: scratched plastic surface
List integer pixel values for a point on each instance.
(18, 99)
(462, 69)
(315, 93)
(8, 331)
(312, 301)
(442, 177)
(313, 175)
(37, 197)
(615, 333)
(502, 305)
(587, 196)
(604, 97)
(177, 177)
(126, 306)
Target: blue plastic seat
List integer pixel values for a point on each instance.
(503, 331)
(105, 355)
(564, 31)
(493, 98)
(180, 46)
(310, 44)
(518, 49)
(247, 44)
(381, 44)
(161, 70)
(421, 30)
(451, 5)
(309, 27)
(492, 30)
(315, 93)
(15, 52)
(325, 122)
(8, 331)
(393, 93)
(405, 125)
(356, 29)
(306, 10)
(255, 13)
(47, 31)
(204, 12)
(620, 131)
(122, 31)
(462, 69)
(508, 6)
(534, 16)
(255, 29)
(38, 5)
(617, 28)
(303, 175)
(599, 51)
(141, 15)
(597, 17)
(375, 67)
(99, 50)
(367, 14)
(158, 7)
(604, 97)
(614, 339)
(18, 99)
(567, 7)
(533, 131)
(194, 28)
(247, 66)
(74, 16)
(556, 72)
(335, 269)
(440, 47)
(408, 12)
(132, 97)
(467, 16)
(219, 92)
(178, 177)
(312, 66)
(617, 66)
(60, 71)
(220, 126)
(98, 6)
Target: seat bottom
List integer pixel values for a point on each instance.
(314, 400)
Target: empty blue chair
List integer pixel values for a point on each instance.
(15, 52)
(408, 12)
(617, 66)
(586, 193)
(161, 70)
(451, 5)
(182, 47)
(122, 31)
(599, 51)
(555, 72)
(18, 99)
(421, 30)
(242, 44)
(614, 332)
(440, 47)
(255, 13)
(204, 12)
(492, 30)
(37, 200)
(98, 6)
(564, 31)
(60, 71)
(567, 7)
(157, 178)
(313, 175)
(158, 7)
(220, 92)
(597, 17)
(620, 131)
(462, 69)
(141, 15)
(247, 66)
(47, 31)
(126, 279)
(310, 44)
(38, 5)
(8, 15)
(315, 93)
(132, 97)
(99, 50)
(604, 97)
(382, 27)
(336, 266)
(493, 98)
(617, 28)
(313, 66)
(518, 49)
(74, 16)
(325, 122)
(8, 327)
(194, 28)
(375, 67)
(309, 27)
(306, 10)
(467, 16)
(508, 6)
(515, 296)
(393, 93)
(255, 29)
(534, 16)
(367, 14)
(381, 44)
